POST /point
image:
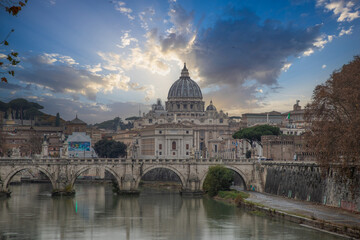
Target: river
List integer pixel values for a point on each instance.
(95, 213)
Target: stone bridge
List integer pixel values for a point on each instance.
(128, 172)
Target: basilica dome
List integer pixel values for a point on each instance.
(211, 107)
(184, 87)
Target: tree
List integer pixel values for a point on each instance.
(110, 148)
(31, 113)
(57, 120)
(219, 178)
(334, 120)
(20, 105)
(13, 8)
(253, 134)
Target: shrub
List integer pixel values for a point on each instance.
(218, 178)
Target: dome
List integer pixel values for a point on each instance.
(185, 87)
(211, 107)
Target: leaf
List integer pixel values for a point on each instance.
(15, 54)
(9, 58)
(3, 79)
(14, 10)
(1, 63)
(6, 43)
(21, 4)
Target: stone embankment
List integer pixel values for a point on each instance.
(333, 220)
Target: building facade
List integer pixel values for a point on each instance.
(184, 128)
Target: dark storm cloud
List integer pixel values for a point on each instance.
(240, 47)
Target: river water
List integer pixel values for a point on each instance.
(95, 213)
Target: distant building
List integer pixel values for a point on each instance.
(25, 140)
(79, 146)
(75, 125)
(285, 148)
(184, 128)
(293, 121)
(271, 118)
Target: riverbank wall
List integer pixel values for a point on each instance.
(305, 181)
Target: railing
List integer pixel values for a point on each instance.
(87, 161)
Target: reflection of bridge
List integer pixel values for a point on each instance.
(63, 172)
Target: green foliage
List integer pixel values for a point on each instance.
(132, 118)
(253, 134)
(110, 148)
(218, 178)
(248, 154)
(114, 124)
(232, 194)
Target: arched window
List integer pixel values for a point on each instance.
(173, 145)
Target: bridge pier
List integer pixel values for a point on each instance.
(127, 186)
(192, 187)
(3, 191)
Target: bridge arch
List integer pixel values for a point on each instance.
(181, 177)
(236, 170)
(34, 168)
(84, 169)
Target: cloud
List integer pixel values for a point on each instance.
(323, 66)
(146, 17)
(90, 112)
(286, 67)
(345, 10)
(120, 6)
(241, 48)
(346, 32)
(126, 40)
(61, 74)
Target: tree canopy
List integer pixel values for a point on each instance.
(110, 148)
(334, 117)
(219, 178)
(253, 134)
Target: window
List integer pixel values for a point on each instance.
(187, 153)
(216, 148)
(178, 106)
(160, 146)
(187, 132)
(191, 106)
(174, 145)
(173, 153)
(185, 106)
(160, 153)
(160, 132)
(221, 120)
(187, 146)
(150, 120)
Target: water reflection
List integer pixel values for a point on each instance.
(95, 213)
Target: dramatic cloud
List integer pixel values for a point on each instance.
(345, 10)
(61, 74)
(241, 48)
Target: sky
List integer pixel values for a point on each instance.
(102, 59)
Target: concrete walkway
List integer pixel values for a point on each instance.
(308, 209)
